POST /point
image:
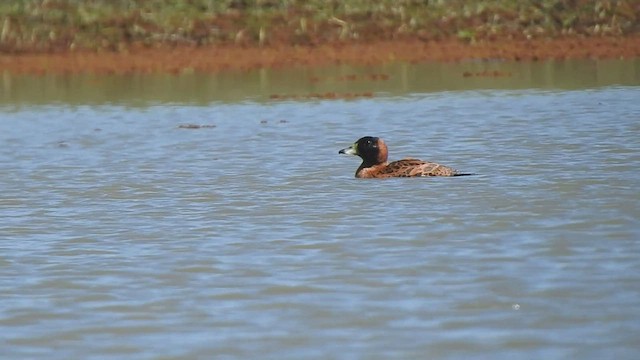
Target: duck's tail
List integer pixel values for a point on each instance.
(465, 174)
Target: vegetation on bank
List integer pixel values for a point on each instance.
(61, 25)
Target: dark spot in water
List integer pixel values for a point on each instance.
(195, 126)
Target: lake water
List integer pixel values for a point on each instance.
(123, 235)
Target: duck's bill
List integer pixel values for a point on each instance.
(349, 151)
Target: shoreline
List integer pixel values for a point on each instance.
(210, 59)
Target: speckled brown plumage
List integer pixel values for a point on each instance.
(373, 152)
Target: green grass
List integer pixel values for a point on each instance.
(60, 25)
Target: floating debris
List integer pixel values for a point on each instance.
(196, 126)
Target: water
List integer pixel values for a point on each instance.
(125, 236)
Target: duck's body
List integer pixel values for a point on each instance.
(405, 168)
(373, 152)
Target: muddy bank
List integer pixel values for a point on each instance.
(186, 59)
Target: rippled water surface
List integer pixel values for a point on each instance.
(123, 235)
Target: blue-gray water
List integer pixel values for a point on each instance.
(125, 236)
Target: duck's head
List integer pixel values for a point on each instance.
(371, 149)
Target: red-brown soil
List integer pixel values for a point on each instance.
(204, 59)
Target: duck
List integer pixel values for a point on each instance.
(374, 153)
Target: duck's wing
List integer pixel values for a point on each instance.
(416, 167)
